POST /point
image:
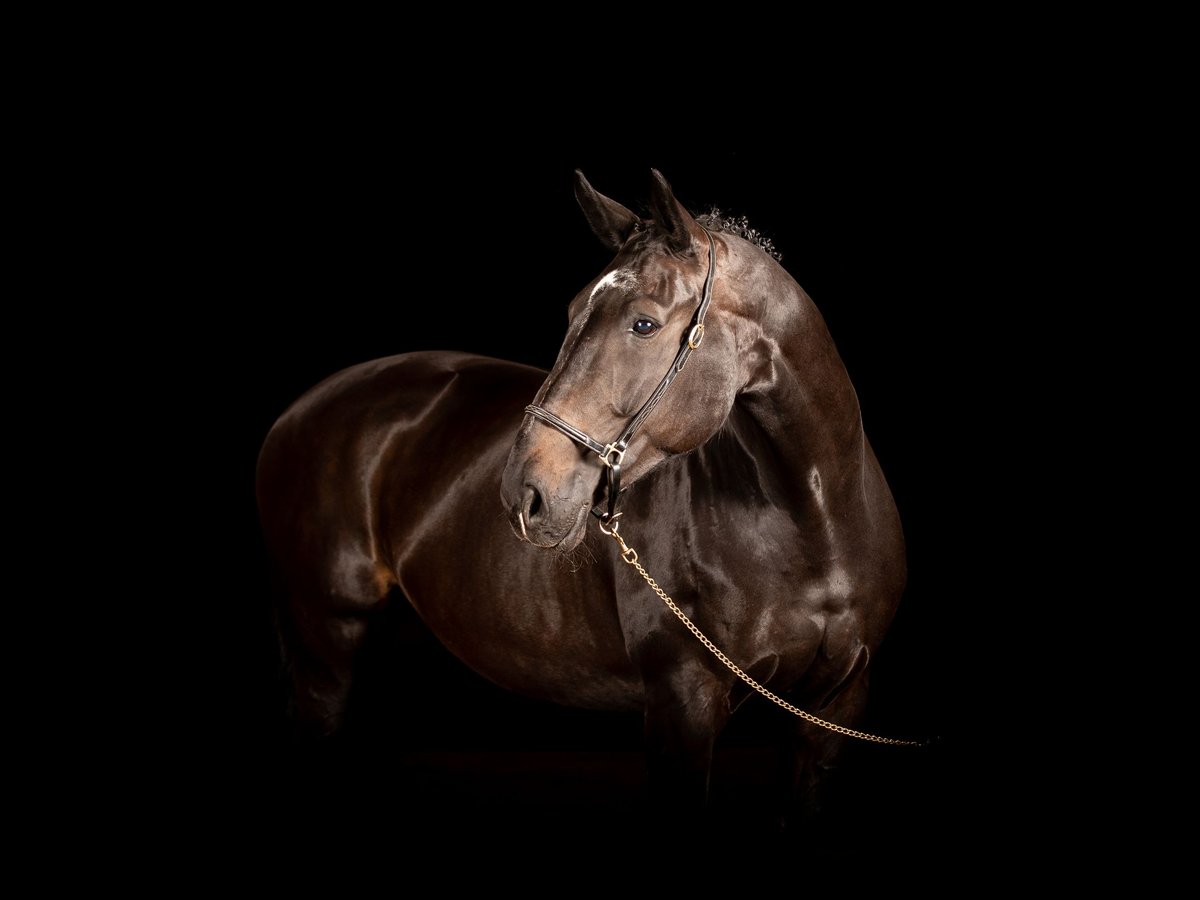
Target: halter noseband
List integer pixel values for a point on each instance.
(611, 454)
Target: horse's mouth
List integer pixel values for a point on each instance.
(570, 539)
(574, 534)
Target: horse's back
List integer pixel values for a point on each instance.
(366, 444)
(384, 391)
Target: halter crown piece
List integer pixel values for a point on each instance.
(612, 453)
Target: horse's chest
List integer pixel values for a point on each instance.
(767, 589)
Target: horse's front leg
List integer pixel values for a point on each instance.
(812, 753)
(687, 705)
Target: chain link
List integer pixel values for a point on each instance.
(629, 555)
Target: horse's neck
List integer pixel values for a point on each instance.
(800, 419)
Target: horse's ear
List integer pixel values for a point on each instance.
(610, 221)
(670, 215)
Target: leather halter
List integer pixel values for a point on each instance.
(612, 453)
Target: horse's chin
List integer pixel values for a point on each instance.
(574, 536)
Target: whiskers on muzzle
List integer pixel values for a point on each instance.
(572, 560)
(578, 556)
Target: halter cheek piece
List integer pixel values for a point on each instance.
(612, 453)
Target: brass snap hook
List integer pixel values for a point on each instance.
(609, 527)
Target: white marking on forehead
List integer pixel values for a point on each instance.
(622, 278)
(617, 278)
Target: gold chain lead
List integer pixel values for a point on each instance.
(629, 555)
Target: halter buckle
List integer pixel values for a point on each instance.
(607, 454)
(696, 336)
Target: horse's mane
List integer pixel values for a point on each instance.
(713, 220)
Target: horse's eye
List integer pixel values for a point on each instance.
(645, 327)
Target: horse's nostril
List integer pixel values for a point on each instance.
(535, 502)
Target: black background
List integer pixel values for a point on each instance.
(324, 236)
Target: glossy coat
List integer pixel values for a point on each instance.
(753, 497)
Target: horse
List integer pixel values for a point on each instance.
(731, 462)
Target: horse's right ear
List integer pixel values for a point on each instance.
(610, 221)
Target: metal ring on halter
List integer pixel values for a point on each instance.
(601, 524)
(606, 454)
(694, 339)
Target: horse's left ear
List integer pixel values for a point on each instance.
(670, 215)
(610, 221)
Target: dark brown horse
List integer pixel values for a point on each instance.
(750, 493)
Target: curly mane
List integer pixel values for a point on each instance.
(713, 220)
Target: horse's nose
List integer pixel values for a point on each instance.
(533, 501)
(543, 498)
(531, 509)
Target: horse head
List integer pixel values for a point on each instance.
(626, 331)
